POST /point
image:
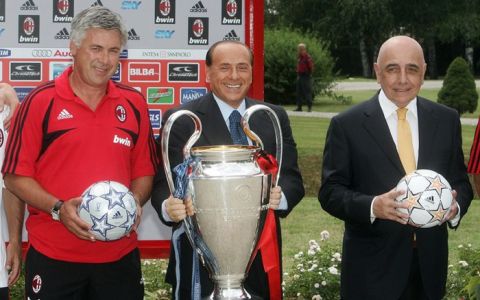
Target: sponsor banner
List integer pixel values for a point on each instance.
(155, 118)
(56, 68)
(197, 31)
(231, 36)
(22, 91)
(165, 11)
(232, 12)
(25, 71)
(164, 33)
(36, 53)
(28, 5)
(160, 95)
(167, 54)
(28, 29)
(143, 72)
(131, 5)
(62, 34)
(117, 76)
(188, 94)
(2, 10)
(5, 52)
(183, 72)
(198, 8)
(63, 11)
(133, 35)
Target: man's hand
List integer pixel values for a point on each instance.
(275, 197)
(385, 207)
(138, 217)
(14, 261)
(177, 209)
(69, 217)
(453, 208)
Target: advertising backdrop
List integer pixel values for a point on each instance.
(164, 56)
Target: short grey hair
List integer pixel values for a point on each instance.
(96, 17)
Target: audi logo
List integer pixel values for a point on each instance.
(42, 53)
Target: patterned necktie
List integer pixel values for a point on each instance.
(236, 131)
(404, 141)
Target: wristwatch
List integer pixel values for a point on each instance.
(56, 210)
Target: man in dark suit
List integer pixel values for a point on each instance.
(383, 258)
(229, 72)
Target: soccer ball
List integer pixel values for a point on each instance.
(428, 195)
(109, 207)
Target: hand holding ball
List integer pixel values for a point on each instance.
(428, 195)
(110, 208)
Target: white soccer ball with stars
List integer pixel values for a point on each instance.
(110, 208)
(428, 195)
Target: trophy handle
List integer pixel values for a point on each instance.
(255, 138)
(186, 149)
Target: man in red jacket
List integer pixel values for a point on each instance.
(304, 78)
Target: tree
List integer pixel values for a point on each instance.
(458, 90)
(281, 60)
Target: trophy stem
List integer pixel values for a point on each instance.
(234, 292)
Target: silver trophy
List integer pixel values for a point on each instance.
(230, 195)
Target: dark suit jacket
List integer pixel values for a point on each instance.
(361, 161)
(215, 132)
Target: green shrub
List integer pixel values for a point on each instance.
(316, 272)
(281, 62)
(458, 90)
(464, 276)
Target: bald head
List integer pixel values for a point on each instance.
(399, 43)
(400, 69)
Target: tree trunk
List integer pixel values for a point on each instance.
(432, 59)
(365, 63)
(469, 56)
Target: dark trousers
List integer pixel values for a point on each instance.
(304, 90)
(51, 279)
(414, 289)
(4, 293)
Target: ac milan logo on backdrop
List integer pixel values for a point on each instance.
(28, 29)
(198, 31)
(63, 6)
(164, 7)
(197, 28)
(28, 26)
(121, 113)
(231, 12)
(231, 8)
(164, 11)
(62, 11)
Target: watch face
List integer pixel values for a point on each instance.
(56, 210)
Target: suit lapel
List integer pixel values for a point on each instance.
(376, 125)
(427, 128)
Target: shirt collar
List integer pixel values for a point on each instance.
(62, 85)
(389, 108)
(226, 109)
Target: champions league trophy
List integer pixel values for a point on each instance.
(230, 191)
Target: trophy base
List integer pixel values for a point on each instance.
(231, 294)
